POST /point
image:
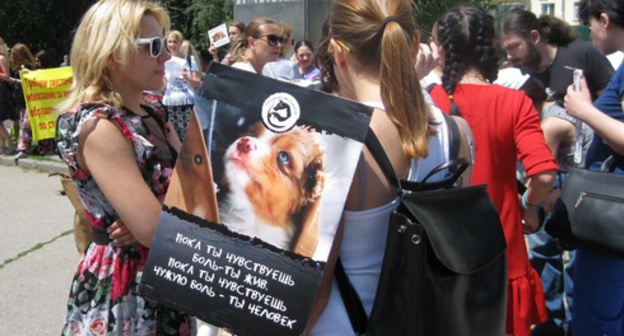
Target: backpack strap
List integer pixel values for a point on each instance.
(350, 297)
(351, 300)
(374, 146)
(430, 87)
(454, 136)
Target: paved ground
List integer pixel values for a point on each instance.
(38, 255)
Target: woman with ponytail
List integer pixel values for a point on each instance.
(368, 55)
(506, 129)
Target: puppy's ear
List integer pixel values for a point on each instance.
(314, 182)
(306, 239)
(256, 130)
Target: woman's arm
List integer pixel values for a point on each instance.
(213, 51)
(538, 189)
(111, 161)
(557, 133)
(194, 80)
(579, 105)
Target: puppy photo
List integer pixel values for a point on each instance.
(275, 183)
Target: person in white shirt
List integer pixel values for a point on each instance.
(181, 75)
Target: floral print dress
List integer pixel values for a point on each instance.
(104, 298)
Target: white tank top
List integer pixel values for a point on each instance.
(364, 241)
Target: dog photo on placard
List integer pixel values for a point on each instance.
(273, 185)
(282, 157)
(255, 203)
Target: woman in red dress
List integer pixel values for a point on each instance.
(506, 129)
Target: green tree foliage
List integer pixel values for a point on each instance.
(194, 17)
(45, 24)
(428, 11)
(41, 24)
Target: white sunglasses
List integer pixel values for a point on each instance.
(156, 45)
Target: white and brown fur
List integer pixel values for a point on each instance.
(275, 183)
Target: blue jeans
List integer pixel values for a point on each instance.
(599, 294)
(556, 275)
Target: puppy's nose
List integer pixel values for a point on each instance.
(245, 145)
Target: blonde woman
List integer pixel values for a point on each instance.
(181, 72)
(120, 151)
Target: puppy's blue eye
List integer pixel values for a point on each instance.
(283, 157)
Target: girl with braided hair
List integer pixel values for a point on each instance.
(506, 129)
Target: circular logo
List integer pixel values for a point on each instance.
(280, 112)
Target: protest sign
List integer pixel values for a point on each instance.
(219, 35)
(43, 91)
(282, 160)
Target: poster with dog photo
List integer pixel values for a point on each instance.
(219, 35)
(282, 159)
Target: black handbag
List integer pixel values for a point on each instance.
(589, 212)
(444, 270)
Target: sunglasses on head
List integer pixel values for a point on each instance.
(273, 39)
(156, 45)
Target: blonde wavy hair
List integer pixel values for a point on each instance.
(109, 29)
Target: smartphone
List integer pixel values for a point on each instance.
(576, 76)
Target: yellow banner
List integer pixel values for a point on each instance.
(43, 91)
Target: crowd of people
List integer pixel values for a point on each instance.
(18, 140)
(141, 82)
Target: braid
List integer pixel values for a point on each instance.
(485, 53)
(454, 64)
(467, 36)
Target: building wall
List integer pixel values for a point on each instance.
(564, 9)
(305, 16)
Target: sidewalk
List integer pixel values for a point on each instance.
(51, 164)
(38, 256)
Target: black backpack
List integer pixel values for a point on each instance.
(444, 270)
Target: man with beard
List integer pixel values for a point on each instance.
(546, 49)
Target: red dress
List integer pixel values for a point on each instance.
(506, 128)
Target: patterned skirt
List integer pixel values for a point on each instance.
(104, 298)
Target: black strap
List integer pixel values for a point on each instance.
(374, 146)
(351, 299)
(454, 136)
(430, 87)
